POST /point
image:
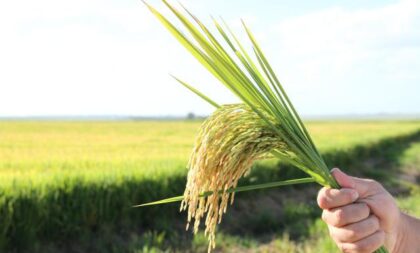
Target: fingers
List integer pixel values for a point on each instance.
(366, 245)
(331, 198)
(357, 227)
(344, 215)
(356, 231)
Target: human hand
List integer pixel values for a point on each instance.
(362, 216)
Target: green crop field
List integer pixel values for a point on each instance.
(73, 183)
(43, 151)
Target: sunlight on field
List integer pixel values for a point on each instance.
(81, 176)
(42, 148)
(39, 151)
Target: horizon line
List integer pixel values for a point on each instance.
(122, 117)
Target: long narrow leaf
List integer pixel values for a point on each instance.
(237, 189)
(200, 94)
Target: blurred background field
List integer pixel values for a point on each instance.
(91, 123)
(68, 186)
(42, 151)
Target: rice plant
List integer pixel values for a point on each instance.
(235, 136)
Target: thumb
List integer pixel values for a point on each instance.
(363, 186)
(343, 179)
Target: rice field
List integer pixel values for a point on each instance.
(41, 151)
(60, 181)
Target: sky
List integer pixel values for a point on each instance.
(114, 58)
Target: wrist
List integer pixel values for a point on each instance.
(405, 242)
(400, 234)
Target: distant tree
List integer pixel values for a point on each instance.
(190, 115)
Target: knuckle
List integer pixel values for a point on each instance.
(321, 199)
(339, 216)
(381, 236)
(345, 247)
(364, 209)
(352, 233)
(368, 246)
(348, 197)
(362, 247)
(336, 235)
(374, 222)
(374, 183)
(322, 202)
(324, 216)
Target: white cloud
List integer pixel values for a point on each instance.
(94, 57)
(349, 56)
(112, 57)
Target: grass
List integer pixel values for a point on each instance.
(68, 186)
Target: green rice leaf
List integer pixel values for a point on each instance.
(237, 189)
(197, 92)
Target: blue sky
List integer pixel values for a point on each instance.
(113, 58)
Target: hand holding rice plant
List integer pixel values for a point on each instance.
(237, 135)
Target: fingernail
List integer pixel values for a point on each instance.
(354, 195)
(334, 169)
